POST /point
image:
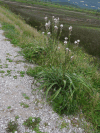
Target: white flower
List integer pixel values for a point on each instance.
(78, 41)
(15, 132)
(49, 23)
(67, 49)
(53, 17)
(70, 28)
(65, 42)
(58, 19)
(43, 33)
(46, 24)
(66, 38)
(56, 27)
(61, 26)
(75, 42)
(45, 18)
(49, 33)
(72, 57)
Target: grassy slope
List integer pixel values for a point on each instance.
(90, 20)
(28, 38)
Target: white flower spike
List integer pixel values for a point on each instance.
(75, 42)
(61, 26)
(66, 38)
(65, 42)
(78, 41)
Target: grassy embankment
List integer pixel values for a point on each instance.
(71, 85)
(86, 24)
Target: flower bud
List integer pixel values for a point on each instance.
(66, 38)
(61, 26)
(70, 28)
(65, 42)
(75, 42)
(72, 57)
(78, 41)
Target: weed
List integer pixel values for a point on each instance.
(1, 71)
(9, 60)
(6, 65)
(32, 123)
(15, 77)
(45, 124)
(12, 126)
(0, 66)
(25, 96)
(16, 117)
(22, 73)
(64, 124)
(8, 107)
(24, 105)
(8, 73)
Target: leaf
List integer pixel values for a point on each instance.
(56, 94)
(64, 81)
(49, 89)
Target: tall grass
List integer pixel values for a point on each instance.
(69, 85)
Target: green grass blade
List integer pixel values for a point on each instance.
(56, 94)
(49, 89)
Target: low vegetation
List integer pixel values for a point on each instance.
(68, 76)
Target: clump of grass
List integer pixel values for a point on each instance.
(0, 66)
(8, 73)
(22, 73)
(24, 105)
(64, 124)
(6, 65)
(62, 89)
(1, 71)
(8, 107)
(15, 77)
(9, 59)
(32, 123)
(25, 96)
(16, 117)
(12, 126)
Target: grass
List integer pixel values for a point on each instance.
(33, 123)
(68, 16)
(12, 126)
(8, 107)
(22, 73)
(9, 60)
(24, 105)
(25, 96)
(1, 71)
(68, 85)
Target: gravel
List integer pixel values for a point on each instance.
(12, 86)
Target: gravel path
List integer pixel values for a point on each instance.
(14, 84)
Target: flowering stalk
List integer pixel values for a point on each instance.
(70, 30)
